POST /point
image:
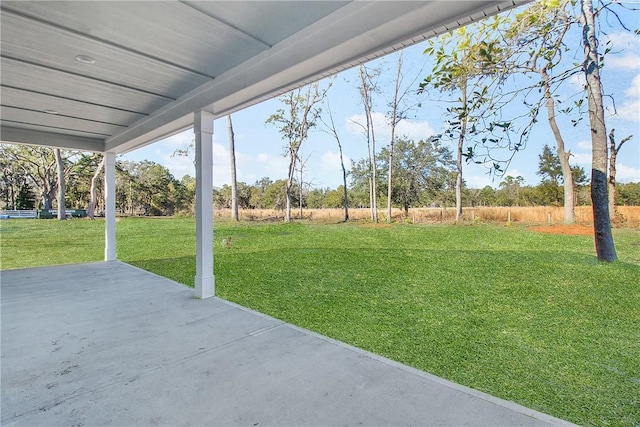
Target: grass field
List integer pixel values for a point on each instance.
(525, 316)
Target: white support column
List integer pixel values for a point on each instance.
(203, 128)
(110, 206)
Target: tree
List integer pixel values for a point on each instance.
(537, 39)
(234, 181)
(39, 168)
(399, 111)
(94, 187)
(257, 196)
(62, 215)
(629, 194)
(275, 195)
(148, 186)
(367, 87)
(465, 61)
(13, 182)
(613, 155)
(549, 166)
(25, 199)
(330, 128)
(303, 109)
(605, 247)
(37, 165)
(301, 164)
(421, 170)
(550, 169)
(510, 189)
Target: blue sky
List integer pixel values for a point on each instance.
(259, 148)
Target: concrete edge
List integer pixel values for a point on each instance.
(446, 383)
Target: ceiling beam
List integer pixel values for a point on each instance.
(17, 135)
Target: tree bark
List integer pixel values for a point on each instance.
(92, 191)
(567, 174)
(62, 215)
(372, 139)
(332, 129)
(605, 247)
(344, 186)
(234, 181)
(613, 155)
(290, 177)
(300, 187)
(463, 131)
(394, 123)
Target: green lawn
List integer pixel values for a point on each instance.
(528, 317)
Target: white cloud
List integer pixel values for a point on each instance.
(477, 176)
(624, 51)
(584, 145)
(411, 129)
(582, 155)
(578, 81)
(250, 168)
(180, 140)
(629, 61)
(621, 41)
(269, 162)
(480, 181)
(179, 166)
(330, 162)
(581, 159)
(626, 173)
(630, 109)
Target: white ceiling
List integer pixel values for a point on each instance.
(156, 62)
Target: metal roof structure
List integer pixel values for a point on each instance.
(114, 76)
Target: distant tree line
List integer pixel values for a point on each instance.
(424, 176)
(28, 180)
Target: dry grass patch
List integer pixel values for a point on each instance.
(572, 230)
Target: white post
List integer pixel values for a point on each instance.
(203, 129)
(110, 206)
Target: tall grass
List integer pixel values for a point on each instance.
(627, 216)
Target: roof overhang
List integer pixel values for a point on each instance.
(115, 76)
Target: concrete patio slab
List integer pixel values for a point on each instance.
(110, 344)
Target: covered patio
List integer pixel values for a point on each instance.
(110, 344)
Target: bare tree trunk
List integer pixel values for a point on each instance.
(463, 131)
(605, 247)
(389, 180)
(613, 154)
(374, 172)
(567, 174)
(62, 215)
(344, 186)
(92, 192)
(394, 123)
(366, 100)
(234, 181)
(332, 129)
(300, 187)
(290, 176)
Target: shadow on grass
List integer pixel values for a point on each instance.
(181, 269)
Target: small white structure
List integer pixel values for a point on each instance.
(111, 76)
